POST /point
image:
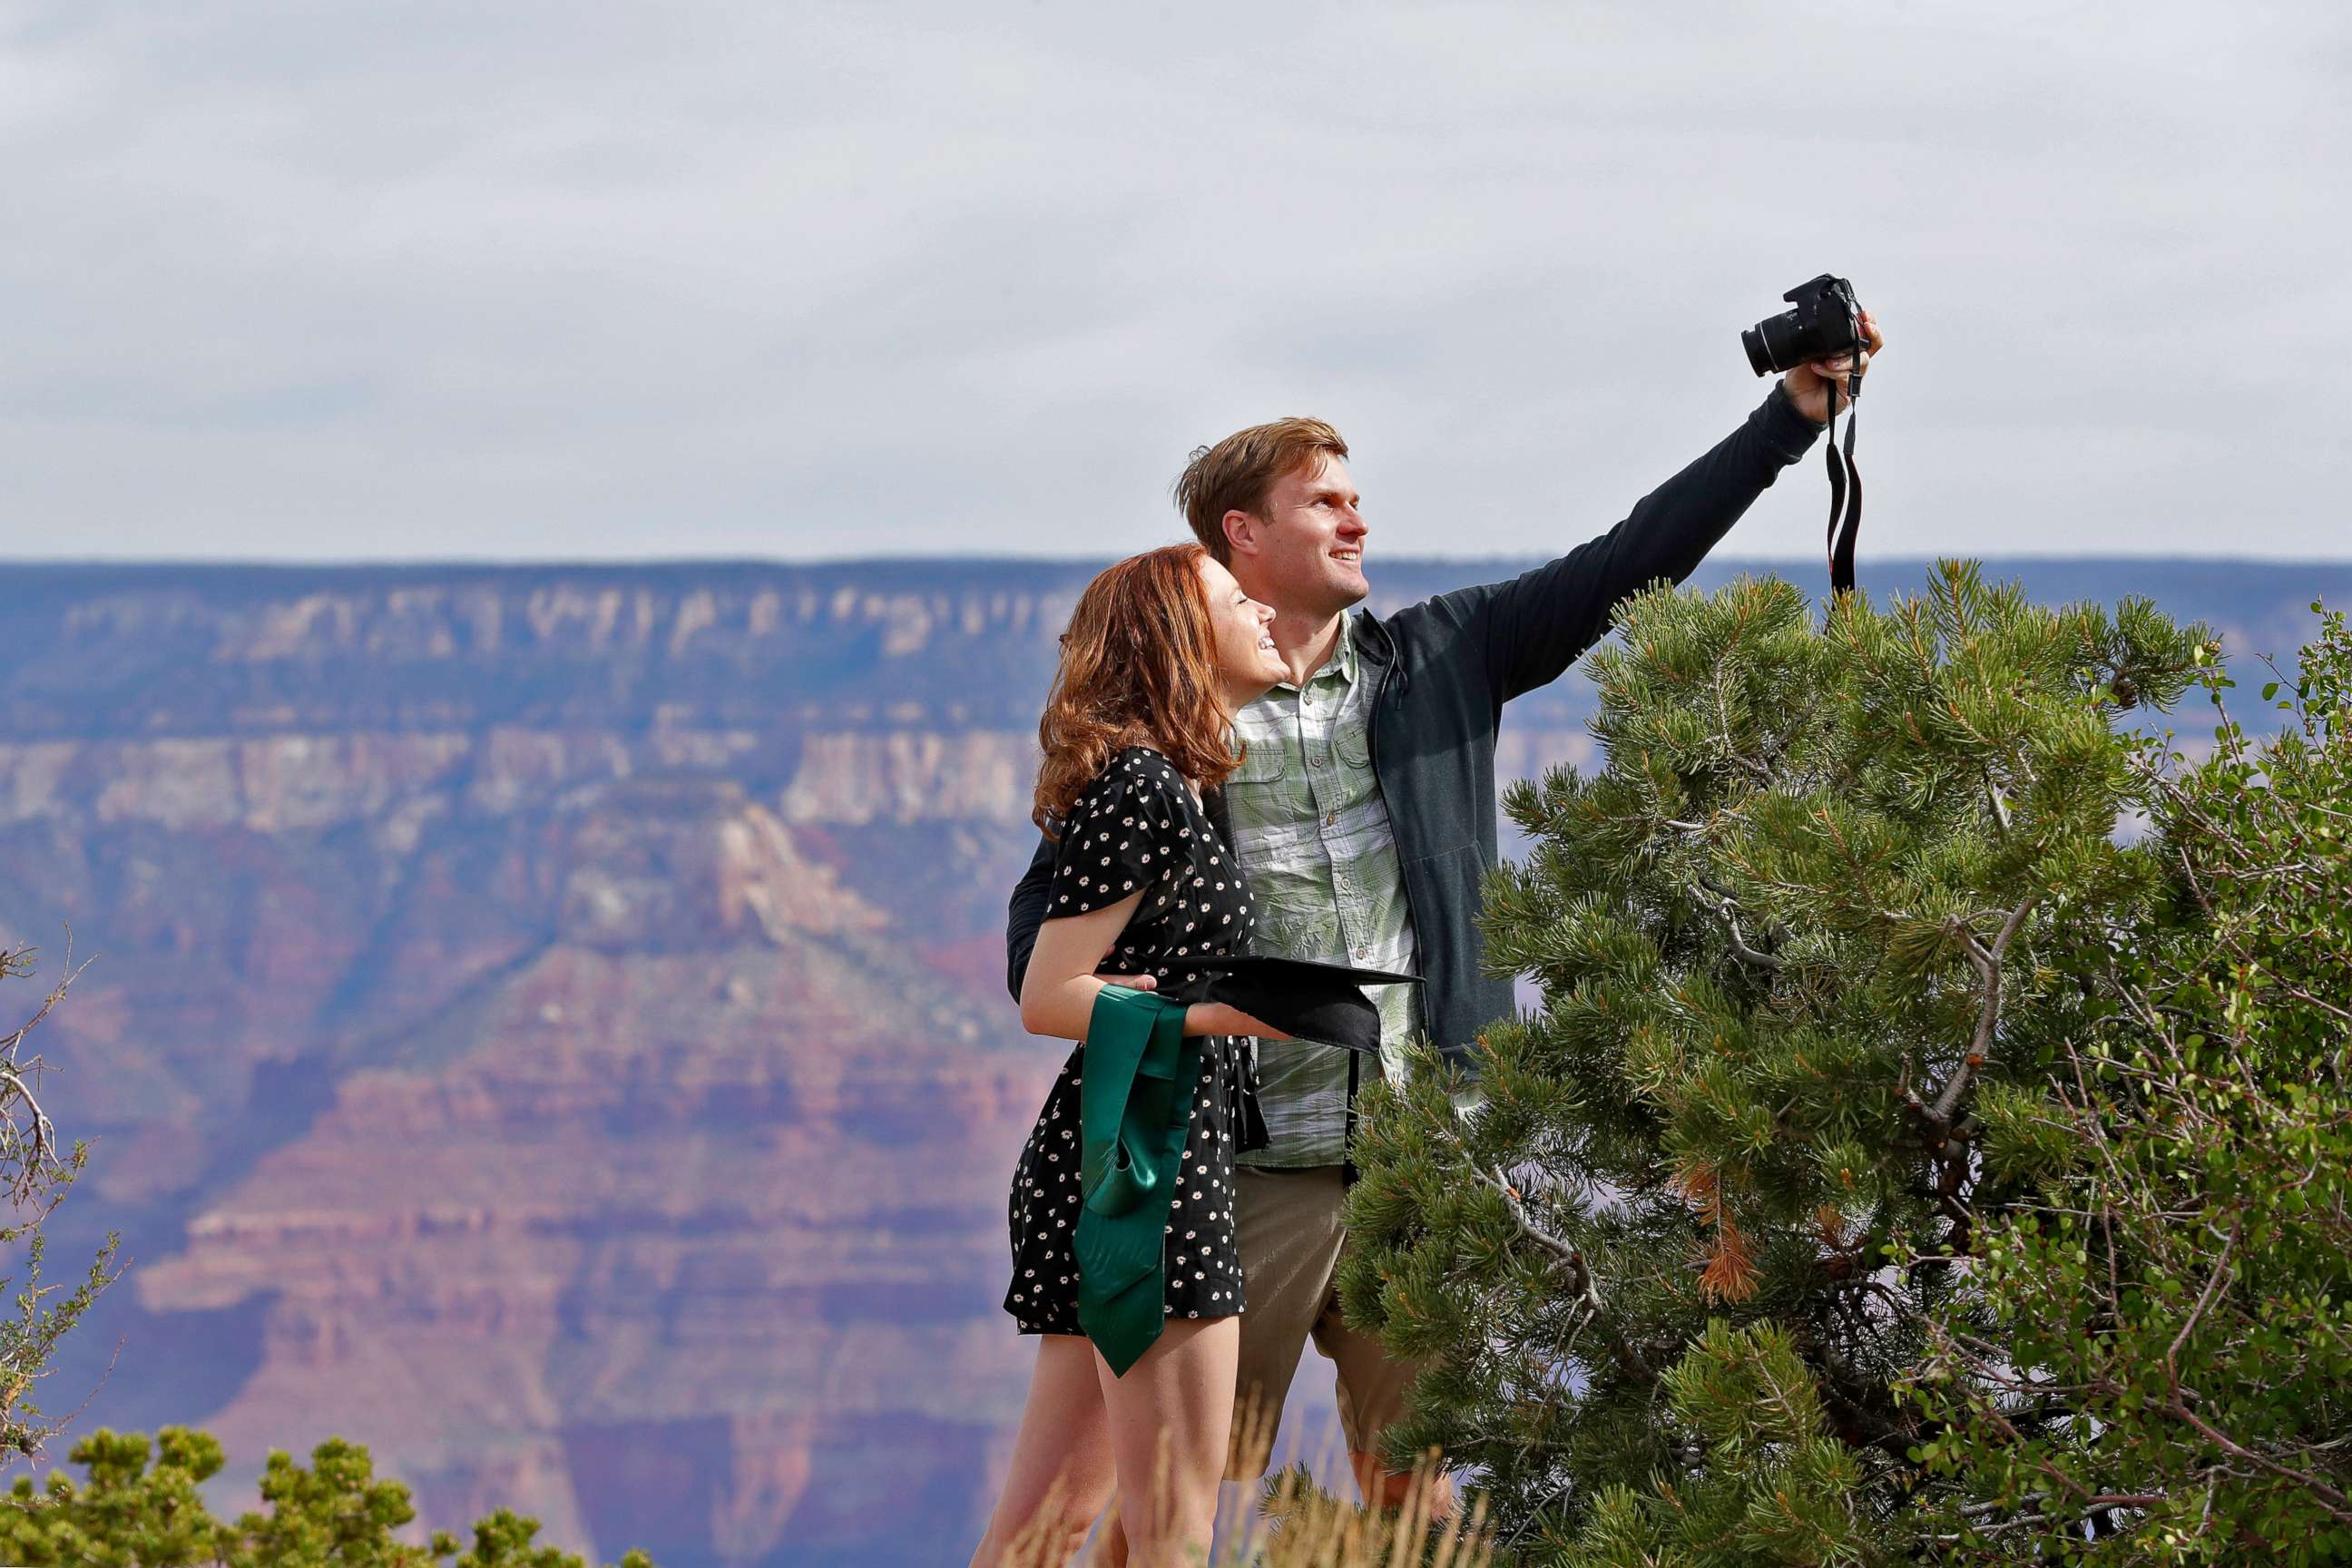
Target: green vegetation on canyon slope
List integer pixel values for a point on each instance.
(127, 1511)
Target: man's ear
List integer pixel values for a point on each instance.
(1242, 531)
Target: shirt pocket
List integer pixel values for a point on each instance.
(1353, 741)
(1262, 769)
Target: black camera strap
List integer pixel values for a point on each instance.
(1845, 483)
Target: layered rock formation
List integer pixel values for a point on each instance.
(704, 1166)
(549, 1023)
(547, 1027)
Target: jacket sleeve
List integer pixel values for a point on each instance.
(1532, 628)
(1025, 914)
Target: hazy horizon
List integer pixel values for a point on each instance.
(1717, 559)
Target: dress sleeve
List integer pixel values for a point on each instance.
(1116, 844)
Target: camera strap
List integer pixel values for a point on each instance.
(1845, 485)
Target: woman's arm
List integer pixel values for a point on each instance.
(1057, 994)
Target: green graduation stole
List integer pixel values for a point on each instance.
(1134, 1111)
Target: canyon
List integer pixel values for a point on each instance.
(547, 1023)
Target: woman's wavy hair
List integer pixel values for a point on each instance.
(1138, 668)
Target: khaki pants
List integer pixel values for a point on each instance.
(1290, 1238)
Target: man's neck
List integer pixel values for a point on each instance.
(1304, 641)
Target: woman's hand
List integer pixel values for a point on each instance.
(1217, 1018)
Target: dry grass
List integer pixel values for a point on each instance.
(1290, 1522)
(1300, 1525)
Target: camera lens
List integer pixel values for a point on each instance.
(1767, 343)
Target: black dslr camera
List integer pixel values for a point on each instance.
(1824, 320)
(1826, 323)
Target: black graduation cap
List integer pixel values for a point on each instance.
(1323, 1002)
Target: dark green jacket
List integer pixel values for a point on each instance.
(1445, 668)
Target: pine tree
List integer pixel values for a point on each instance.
(1677, 1268)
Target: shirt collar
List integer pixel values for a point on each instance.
(1347, 649)
(1342, 664)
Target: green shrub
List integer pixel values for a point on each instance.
(128, 1513)
(2162, 1372)
(1800, 938)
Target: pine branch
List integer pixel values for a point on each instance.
(1988, 965)
(1722, 908)
(1582, 1282)
(2000, 802)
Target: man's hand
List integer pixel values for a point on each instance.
(1809, 386)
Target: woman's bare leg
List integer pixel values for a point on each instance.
(1061, 1457)
(1170, 1419)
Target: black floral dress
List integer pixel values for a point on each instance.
(1138, 828)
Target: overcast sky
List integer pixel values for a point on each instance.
(510, 279)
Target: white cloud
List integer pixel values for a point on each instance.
(443, 280)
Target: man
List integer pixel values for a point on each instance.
(1364, 814)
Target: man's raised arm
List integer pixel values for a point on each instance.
(1536, 625)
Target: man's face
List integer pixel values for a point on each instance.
(1304, 555)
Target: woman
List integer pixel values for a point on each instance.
(1163, 649)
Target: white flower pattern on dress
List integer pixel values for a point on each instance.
(1175, 849)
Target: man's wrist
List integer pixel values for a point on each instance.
(1783, 424)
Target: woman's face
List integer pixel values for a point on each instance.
(1245, 653)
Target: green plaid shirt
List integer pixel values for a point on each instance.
(1312, 832)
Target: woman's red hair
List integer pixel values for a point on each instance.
(1138, 668)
